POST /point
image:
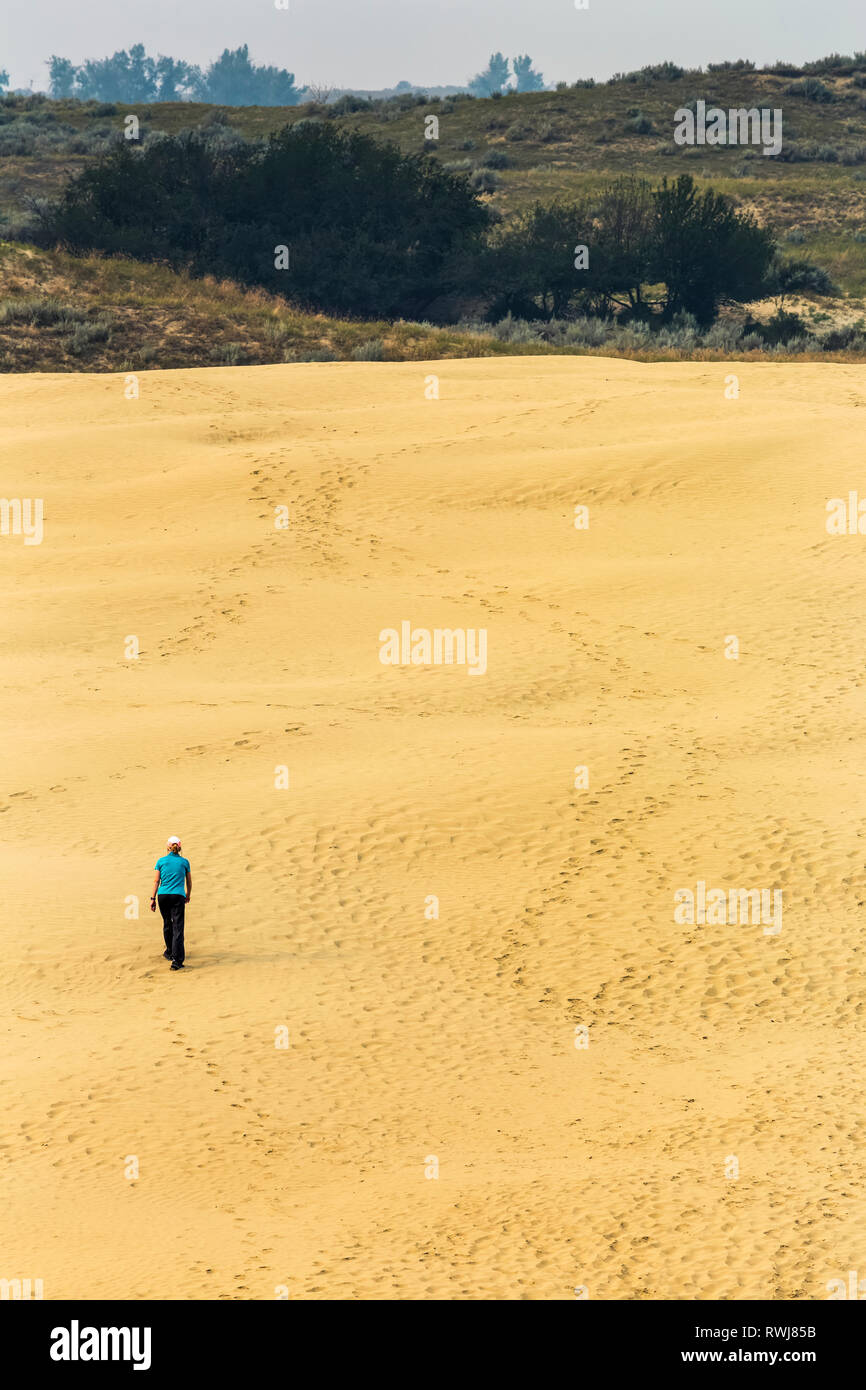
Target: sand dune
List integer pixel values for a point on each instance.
(411, 1038)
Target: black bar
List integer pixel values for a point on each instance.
(256, 1338)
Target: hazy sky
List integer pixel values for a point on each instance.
(376, 43)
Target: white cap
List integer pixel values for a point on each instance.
(173, 840)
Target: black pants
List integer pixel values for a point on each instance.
(172, 905)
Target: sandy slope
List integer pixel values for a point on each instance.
(412, 1038)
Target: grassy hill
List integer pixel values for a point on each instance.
(87, 313)
(516, 149)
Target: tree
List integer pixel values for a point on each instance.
(494, 78)
(175, 79)
(706, 253)
(319, 92)
(797, 276)
(531, 266)
(133, 77)
(233, 80)
(126, 76)
(370, 231)
(61, 73)
(623, 242)
(4, 78)
(528, 80)
(649, 254)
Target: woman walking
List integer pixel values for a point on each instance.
(173, 886)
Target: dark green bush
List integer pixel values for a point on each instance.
(640, 123)
(692, 243)
(812, 89)
(781, 328)
(496, 159)
(796, 275)
(847, 339)
(370, 231)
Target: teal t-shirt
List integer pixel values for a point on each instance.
(173, 869)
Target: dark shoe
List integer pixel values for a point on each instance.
(167, 955)
(176, 967)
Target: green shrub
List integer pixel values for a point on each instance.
(812, 89)
(798, 275)
(653, 72)
(88, 331)
(738, 65)
(371, 351)
(550, 132)
(519, 130)
(780, 329)
(847, 339)
(227, 354)
(808, 153)
(724, 334)
(514, 330)
(317, 355)
(496, 159)
(641, 124)
(691, 241)
(41, 311)
(373, 232)
(485, 181)
(276, 330)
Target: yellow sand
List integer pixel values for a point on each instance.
(414, 1039)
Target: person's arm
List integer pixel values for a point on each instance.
(188, 885)
(155, 887)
